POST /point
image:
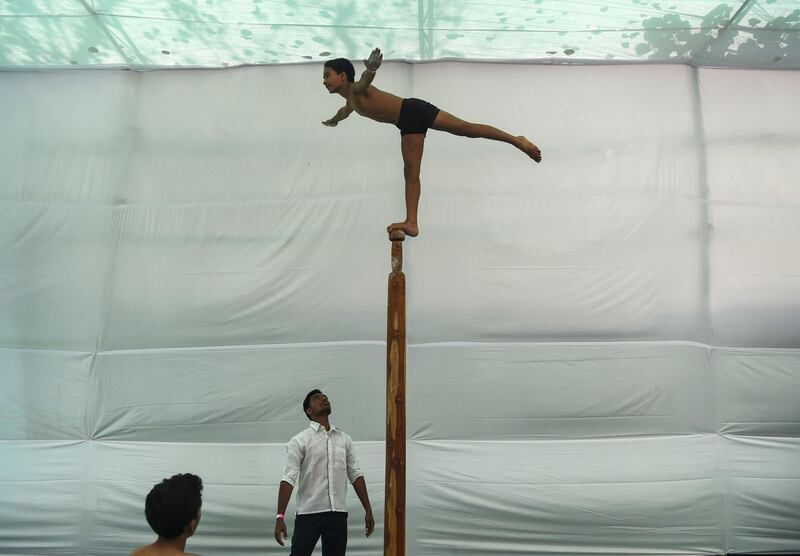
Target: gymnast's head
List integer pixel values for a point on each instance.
(336, 72)
(172, 507)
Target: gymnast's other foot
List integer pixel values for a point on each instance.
(410, 228)
(529, 148)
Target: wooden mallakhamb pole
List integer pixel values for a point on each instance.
(394, 536)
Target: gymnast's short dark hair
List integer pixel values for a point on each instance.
(307, 401)
(173, 503)
(340, 65)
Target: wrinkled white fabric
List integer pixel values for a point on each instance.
(603, 349)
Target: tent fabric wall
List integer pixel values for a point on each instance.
(603, 352)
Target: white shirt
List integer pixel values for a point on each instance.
(319, 464)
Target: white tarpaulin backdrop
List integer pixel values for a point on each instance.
(603, 350)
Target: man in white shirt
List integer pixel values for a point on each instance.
(320, 462)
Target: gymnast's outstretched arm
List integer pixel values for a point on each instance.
(340, 115)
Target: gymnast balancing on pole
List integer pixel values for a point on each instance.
(412, 116)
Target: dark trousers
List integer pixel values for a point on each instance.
(308, 528)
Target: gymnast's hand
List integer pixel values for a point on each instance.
(374, 61)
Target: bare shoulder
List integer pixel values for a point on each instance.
(149, 550)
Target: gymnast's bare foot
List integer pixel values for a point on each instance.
(410, 228)
(529, 148)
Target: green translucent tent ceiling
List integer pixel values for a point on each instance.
(142, 34)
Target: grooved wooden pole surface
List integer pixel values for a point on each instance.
(394, 536)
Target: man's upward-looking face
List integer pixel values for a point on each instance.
(332, 80)
(318, 404)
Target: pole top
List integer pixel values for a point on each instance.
(397, 235)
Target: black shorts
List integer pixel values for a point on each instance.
(416, 116)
